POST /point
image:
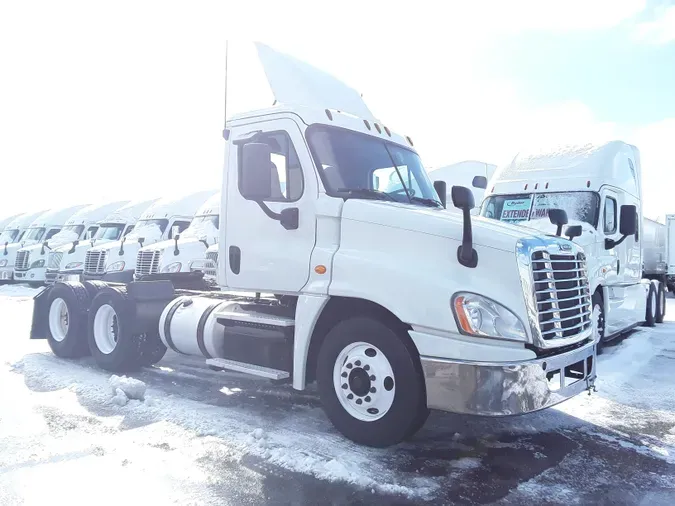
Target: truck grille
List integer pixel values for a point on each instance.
(147, 262)
(22, 259)
(562, 294)
(54, 261)
(211, 264)
(94, 262)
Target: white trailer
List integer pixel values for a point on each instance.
(465, 174)
(670, 251)
(654, 265)
(173, 259)
(67, 262)
(389, 302)
(164, 219)
(600, 189)
(43, 228)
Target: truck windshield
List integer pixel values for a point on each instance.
(34, 234)
(109, 232)
(145, 226)
(202, 225)
(580, 206)
(9, 235)
(69, 233)
(355, 165)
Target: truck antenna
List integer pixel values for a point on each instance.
(226, 133)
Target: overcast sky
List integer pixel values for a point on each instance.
(103, 101)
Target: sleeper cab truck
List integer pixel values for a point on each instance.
(173, 259)
(13, 233)
(115, 261)
(600, 189)
(30, 255)
(67, 262)
(392, 304)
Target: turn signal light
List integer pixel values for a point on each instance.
(320, 269)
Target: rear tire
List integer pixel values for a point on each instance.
(661, 296)
(384, 371)
(67, 320)
(652, 307)
(111, 319)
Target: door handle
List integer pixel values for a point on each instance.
(235, 259)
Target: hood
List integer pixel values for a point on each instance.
(188, 251)
(12, 249)
(434, 221)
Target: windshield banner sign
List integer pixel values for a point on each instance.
(516, 210)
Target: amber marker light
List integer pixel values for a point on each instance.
(320, 269)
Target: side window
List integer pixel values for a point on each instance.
(52, 233)
(129, 229)
(610, 215)
(288, 184)
(91, 231)
(388, 180)
(182, 225)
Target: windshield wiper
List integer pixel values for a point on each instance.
(426, 202)
(367, 192)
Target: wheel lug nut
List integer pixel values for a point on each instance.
(344, 386)
(357, 363)
(350, 396)
(344, 375)
(349, 366)
(367, 399)
(359, 401)
(366, 367)
(372, 377)
(373, 390)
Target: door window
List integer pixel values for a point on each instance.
(610, 215)
(182, 225)
(287, 180)
(52, 233)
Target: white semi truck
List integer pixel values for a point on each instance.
(465, 174)
(67, 262)
(43, 228)
(389, 302)
(600, 189)
(33, 261)
(175, 257)
(207, 265)
(163, 220)
(12, 233)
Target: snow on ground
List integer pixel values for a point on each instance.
(181, 433)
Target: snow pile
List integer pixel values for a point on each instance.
(125, 389)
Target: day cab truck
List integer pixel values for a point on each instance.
(390, 303)
(114, 221)
(12, 233)
(175, 257)
(44, 228)
(600, 189)
(165, 219)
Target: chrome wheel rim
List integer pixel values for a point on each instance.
(59, 319)
(106, 329)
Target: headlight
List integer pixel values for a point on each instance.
(3, 263)
(174, 267)
(115, 267)
(37, 264)
(480, 316)
(73, 265)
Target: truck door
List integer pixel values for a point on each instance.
(261, 254)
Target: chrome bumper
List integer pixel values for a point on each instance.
(496, 389)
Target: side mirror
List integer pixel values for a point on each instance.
(479, 182)
(462, 198)
(442, 189)
(256, 172)
(72, 248)
(558, 218)
(176, 237)
(573, 231)
(628, 223)
(175, 230)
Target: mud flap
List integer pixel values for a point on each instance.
(38, 328)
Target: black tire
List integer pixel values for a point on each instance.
(407, 412)
(76, 299)
(35, 284)
(598, 303)
(152, 349)
(126, 353)
(652, 312)
(661, 297)
(93, 287)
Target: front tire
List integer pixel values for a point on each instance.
(598, 316)
(652, 307)
(370, 382)
(661, 295)
(67, 320)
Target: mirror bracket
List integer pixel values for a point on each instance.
(289, 217)
(611, 243)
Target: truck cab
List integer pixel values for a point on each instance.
(114, 221)
(600, 189)
(163, 220)
(12, 233)
(177, 255)
(45, 228)
(207, 265)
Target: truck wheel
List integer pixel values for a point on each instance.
(661, 293)
(152, 350)
(93, 287)
(652, 307)
(370, 382)
(598, 318)
(67, 320)
(111, 342)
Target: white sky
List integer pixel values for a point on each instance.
(103, 101)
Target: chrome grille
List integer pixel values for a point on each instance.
(54, 260)
(147, 262)
(211, 264)
(22, 259)
(94, 262)
(562, 294)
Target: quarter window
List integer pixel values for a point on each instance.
(610, 215)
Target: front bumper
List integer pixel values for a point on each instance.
(501, 389)
(36, 275)
(6, 273)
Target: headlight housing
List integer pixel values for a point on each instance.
(479, 316)
(172, 267)
(3, 263)
(197, 265)
(38, 264)
(115, 266)
(73, 265)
